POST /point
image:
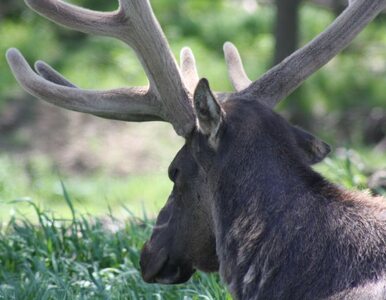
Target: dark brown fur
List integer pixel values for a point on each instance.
(282, 231)
(184, 228)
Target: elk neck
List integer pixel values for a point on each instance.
(265, 185)
(272, 211)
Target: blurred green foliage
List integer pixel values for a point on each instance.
(334, 102)
(94, 194)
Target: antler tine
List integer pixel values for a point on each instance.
(148, 41)
(133, 23)
(188, 69)
(48, 73)
(133, 104)
(74, 17)
(236, 72)
(284, 78)
(190, 75)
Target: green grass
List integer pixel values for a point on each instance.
(93, 194)
(80, 258)
(54, 250)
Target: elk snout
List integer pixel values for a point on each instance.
(151, 263)
(158, 267)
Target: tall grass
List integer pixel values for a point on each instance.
(84, 258)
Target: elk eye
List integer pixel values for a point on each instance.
(173, 172)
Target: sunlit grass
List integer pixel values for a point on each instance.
(84, 258)
(92, 194)
(352, 168)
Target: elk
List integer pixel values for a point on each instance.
(245, 200)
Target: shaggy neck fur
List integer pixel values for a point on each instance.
(283, 232)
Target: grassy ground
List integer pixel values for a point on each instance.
(84, 258)
(83, 243)
(93, 194)
(66, 253)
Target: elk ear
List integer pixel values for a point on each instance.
(208, 111)
(314, 149)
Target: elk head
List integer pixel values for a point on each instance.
(183, 238)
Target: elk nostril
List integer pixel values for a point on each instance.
(151, 263)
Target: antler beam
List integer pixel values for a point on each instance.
(130, 104)
(133, 23)
(168, 96)
(284, 78)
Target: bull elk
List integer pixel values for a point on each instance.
(245, 200)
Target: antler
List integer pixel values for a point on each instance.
(189, 69)
(133, 104)
(236, 72)
(284, 78)
(168, 97)
(134, 23)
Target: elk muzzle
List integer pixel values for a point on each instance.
(157, 266)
